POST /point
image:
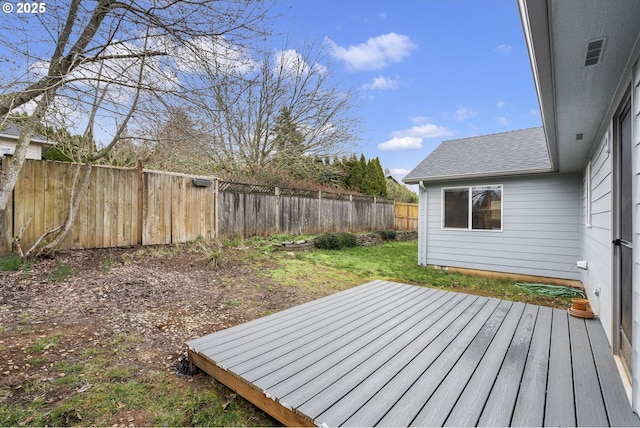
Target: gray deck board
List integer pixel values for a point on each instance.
(415, 397)
(472, 400)
(560, 380)
(256, 352)
(590, 411)
(363, 328)
(389, 363)
(342, 372)
(442, 401)
(498, 409)
(389, 354)
(346, 345)
(529, 409)
(613, 393)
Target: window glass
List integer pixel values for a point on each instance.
(486, 207)
(456, 208)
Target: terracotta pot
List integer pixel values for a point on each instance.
(580, 304)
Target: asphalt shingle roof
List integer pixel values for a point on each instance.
(507, 153)
(13, 130)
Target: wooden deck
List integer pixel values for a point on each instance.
(390, 354)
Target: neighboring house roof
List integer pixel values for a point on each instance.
(508, 153)
(12, 130)
(388, 176)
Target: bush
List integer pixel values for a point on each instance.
(336, 241)
(387, 235)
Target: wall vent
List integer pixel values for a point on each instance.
(594, 52)
(579, 136)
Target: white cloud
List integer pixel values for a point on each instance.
(427, 130)
(401, 143)
(420, 119)
(411, 139)
(382, 16)
(293, 64)
(376, 53)
(464, 113)
(502, 120)
(383, 83)
(399, 172)
(504, 49)
(214, 53)
(500, 104)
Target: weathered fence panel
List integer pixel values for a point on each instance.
(406, 216)
(251, 210)
(299, 215)
(104, 215)
(175, 209)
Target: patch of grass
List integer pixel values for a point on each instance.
(234, 302)
(394, 261)
(61, 272)
(37, 362)
(44, 343)
(108, 264)
(10, 263)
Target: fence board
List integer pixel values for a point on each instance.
(156, 225)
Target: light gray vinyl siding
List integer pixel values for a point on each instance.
(541, 228)
(596, 240)
(422, 226)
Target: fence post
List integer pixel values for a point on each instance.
(350, 213)
(320, 211)
(276, 191)
(216, 207)
(375, 202)
(140, 202)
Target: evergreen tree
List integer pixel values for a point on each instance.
(380, 181)
(353, 174)
(288, 140)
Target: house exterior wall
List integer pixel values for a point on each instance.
(597, 236)
(541, 228)
(635, 132)
(34, 151)
(597, 231)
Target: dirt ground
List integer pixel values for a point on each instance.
(163, 295)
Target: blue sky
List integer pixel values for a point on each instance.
(426, 70)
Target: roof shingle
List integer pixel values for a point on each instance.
(507, 153)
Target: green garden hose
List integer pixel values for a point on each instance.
(551, 290)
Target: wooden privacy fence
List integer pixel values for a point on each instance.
(123, 207)
(252, 210)
(406, 216)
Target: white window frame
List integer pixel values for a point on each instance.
(469, 227)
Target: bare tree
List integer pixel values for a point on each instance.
(105, 65)
(244, 122)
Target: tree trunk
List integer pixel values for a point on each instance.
(80, 183)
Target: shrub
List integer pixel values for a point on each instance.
(387, 235)
(336, 241)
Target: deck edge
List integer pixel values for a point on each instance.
(287, 416)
